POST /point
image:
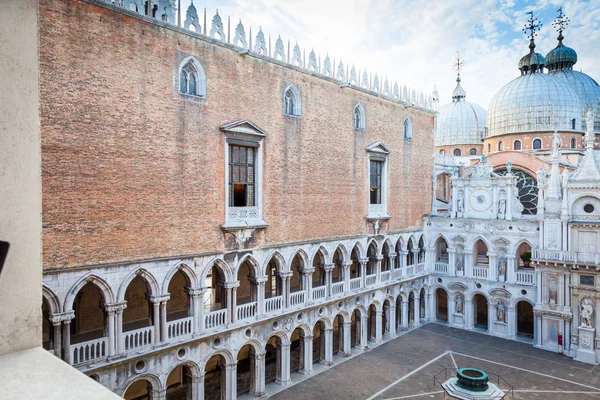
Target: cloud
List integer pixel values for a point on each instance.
(415, 42)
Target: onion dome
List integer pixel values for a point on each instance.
(532, 62)
(561, 57)
(460, 122)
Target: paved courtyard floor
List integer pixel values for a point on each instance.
(404, 368)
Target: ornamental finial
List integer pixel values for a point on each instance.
(531, 28)
(561, 23)
(458, 65)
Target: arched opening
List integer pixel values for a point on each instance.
(355, 267)
(319, 342)
(138, 316)
(89, 328)
(338, 336)
(385, 262)
(215, 301)
(385, 318)
(456, 152)
(355, 328)
(273, 371)
(524, 256)
(180, 383)
(480, 254)
(517, 145)
(489, 147)
(537, 144)
(421, 258)
(139, 390)
(247, 292)
(528, 190)
(400, 256)
(179, 306)
(441, 250)
(47, 327)
(398, 313)
(473, 152)
(411, 308)
(358, 118)
(410, 257)
(318, 276)
(372, 323)
(273, 287)
(573, 143)
(525, 319)
(407, 128)
(372, 255)
(480, 309)
(500, 146)
(214, 378)
(297, 348)
(441, 300)
(422, 304)
(246, 367)
(297, 291)
(442, 152)
(291, 101)
(337, 274)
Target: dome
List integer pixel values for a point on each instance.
(460, 122)
(534, 102)
(561, 57)
(587, 90)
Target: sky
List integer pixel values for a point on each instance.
(416, 42)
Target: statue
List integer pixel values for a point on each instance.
(459, 304)
(556, 141)
(586, 312)
(509, 168)
(460, 204)
(501, 267)
(459, 260)
(500, 312)
(541, 176)
(501, 208)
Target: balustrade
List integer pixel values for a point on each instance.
(398, 273)
(370, 281)
(385, 276)
(138, 338)
(420, 268)
(91, 350)
(479, 272)
(297, 298)
(216, 318)
(355, 283)
(410, 270)
(318, 293)
(525, 278)
(245, 311)
(567, 256)
(273, 304)
(180, 327)
(337, 288)
(441, 267)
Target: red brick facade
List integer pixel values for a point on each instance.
(134, 170)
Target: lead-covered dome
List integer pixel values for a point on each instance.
(587, 90)
(534, 102)
(460, 122)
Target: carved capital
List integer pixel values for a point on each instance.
(57, 319)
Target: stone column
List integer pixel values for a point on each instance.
(538, 278)
(110, 315)
(391, 319)
(308, 355)
(392, 261)
(511, 269)
(468, 314)
(260, 301)
(155, 300)
(230, 381)
(493, 266)
(259, 375)
(286, 288)
(346, 267)
(364, 320)
(512, 323)
(66, 318)
(308, 285)
(328, 268)
(285, 365)
(378, 326)
(197, 310)
(491, 318)
(404, 315)
(158, 394)
(451, 308)
(163, 320)
(415, 257)
(198, 387)
(452, 262)
(347, 339)
(234, 304)
(363, 271)
(57, 326)
(329, 346)
(430, 307)
(430, 260)
(417, 310)
(119, 341)
(403, 258)
(538, 328)
(379, 258)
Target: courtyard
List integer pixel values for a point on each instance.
(404, 368)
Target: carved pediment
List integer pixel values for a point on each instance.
(379, 148)
(499, 292)
(457, 287)
(244, 127)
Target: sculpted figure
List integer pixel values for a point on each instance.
(459, 260)
(459, 304)
(501, 267)
(501, 313)
(586, 312)
(541, 176)
(501, 208)
(460, 204)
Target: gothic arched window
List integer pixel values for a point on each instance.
(358, 118)
(517, 145)
(528, 191)
(292, 101)
(537, 144)
(407, 128)
(191, 78)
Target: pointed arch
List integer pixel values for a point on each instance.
(292, 101)
(250, 260)
(407, 128)
(186, 270)
(107, 292)
(358, 117)
(279, 260)
(361, 309)
(146, 276)
(377, 247)
(52, 299)
(470, 245)
(192, 79)
(223, 267)
(515, 246)
(342, 249)
(360, 249)
(303, 256)
(400, 244)
(324, 254)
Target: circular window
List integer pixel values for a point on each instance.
(523, 292)
(321, 310)
(300, 316)
(439, 280)
(140, 366)
(588, 208)
(478, 286)
(340, 304)
(95, 377)
(181, 353)
(528, 190)
(373, 295)
(217, 342)
(248, 333)
(358, 300)
(275, 325)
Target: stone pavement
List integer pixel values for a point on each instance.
(405, 367)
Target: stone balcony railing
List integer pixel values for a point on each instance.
(567, 257)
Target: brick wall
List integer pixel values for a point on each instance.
(133, 170)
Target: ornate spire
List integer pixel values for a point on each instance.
(458, 93)
(561, 57)
(532, 62)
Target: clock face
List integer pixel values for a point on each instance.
(481, 200)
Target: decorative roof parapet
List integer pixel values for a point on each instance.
(295, 57)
